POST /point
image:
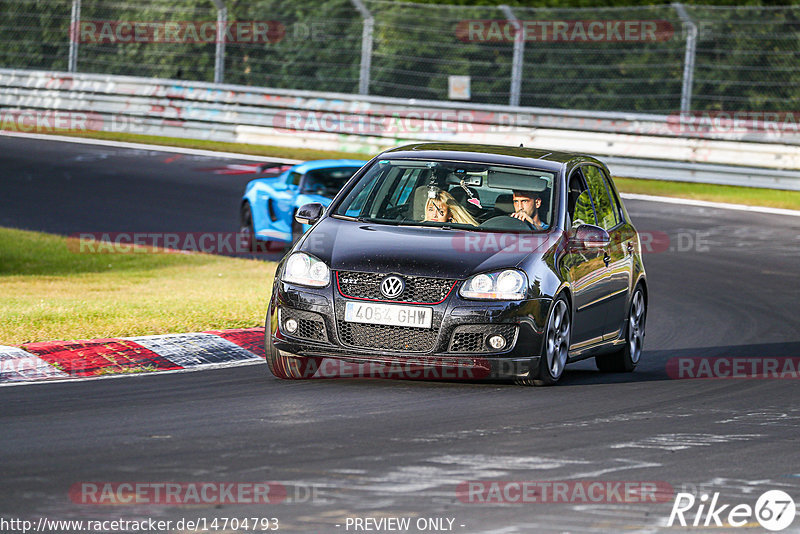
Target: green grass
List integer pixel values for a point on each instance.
(241, 148)
(48, 291)
(753, 196)
(718, 193)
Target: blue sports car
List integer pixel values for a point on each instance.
(269, 203)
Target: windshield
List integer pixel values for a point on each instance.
(451, 194)
(327, 181)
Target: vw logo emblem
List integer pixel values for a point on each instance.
(392, 287)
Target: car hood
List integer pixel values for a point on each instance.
(357, 246)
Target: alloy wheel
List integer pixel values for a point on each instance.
(558, 334)
(636, 327)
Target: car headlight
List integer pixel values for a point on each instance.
(501, 285)
(306, 270)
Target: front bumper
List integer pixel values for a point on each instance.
(452, 348)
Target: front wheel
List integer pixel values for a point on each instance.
(287, 367)
(626, 358)
(556, 347)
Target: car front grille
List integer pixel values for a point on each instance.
(472, 338)
(418, 289)
(399, 338)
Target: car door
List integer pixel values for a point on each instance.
(586, 269)
(618, 257)
(282, 205)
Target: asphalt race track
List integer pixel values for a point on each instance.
(727, 285)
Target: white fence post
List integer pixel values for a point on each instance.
(219, 57)
(74, 36)
(688, 62)
(366, 47)
(518, 58)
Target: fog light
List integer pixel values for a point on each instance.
(290, 325)
(497, 342)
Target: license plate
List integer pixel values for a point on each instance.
(388, 314)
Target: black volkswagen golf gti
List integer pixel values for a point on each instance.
(509, 262)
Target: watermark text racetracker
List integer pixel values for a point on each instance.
(244, 32)
(563, 31)
(215, 493)
(649, 242)
(389, 120)
(137, 31)
(563, 491)
(237, 243)
(45, 121)
(54, 121)
(428, 368)
(720, 122)
(733, 367)
(225, 243)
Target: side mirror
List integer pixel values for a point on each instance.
(589, 236)
(310, 213)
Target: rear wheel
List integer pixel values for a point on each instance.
(287, 367)
(247, 234)
(558, 333)
(627, 357)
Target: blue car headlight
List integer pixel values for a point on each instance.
(305, 270)
(510, 284)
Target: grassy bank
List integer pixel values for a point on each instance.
(241, 148)
(752, 196)
(49, 292)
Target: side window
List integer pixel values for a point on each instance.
(358, 202)
(579, 203)
(358, 196)
(293, 178)
(614, 199)
(584, 211)
(407, 189)
(404, 187)
(607, 215)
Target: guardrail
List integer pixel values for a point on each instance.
(647, 146)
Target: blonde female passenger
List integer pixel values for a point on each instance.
(443, 208)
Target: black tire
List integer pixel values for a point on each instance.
(555, 347)
(247, 233)
(627, 358)
(284, 366)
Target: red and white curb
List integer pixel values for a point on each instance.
(61, 360)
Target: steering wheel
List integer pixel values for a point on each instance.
(504, 222)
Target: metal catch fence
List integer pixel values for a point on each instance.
(652, 59)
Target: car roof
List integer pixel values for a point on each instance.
(498, 154)
(326, 164)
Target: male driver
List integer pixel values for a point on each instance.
(526, 208)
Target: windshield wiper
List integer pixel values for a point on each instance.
(391, 222)
(443, 227)
(363, 219)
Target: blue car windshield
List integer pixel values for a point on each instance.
(327, 182)
(449, 194)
